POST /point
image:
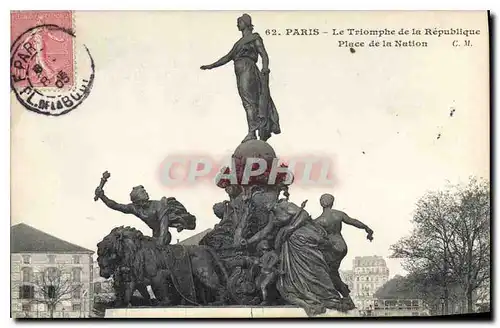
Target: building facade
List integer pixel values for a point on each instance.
(49, 276)
(369, 274)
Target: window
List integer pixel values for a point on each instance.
(26, 259)
(77, 274)
(26, 307)
(76, 259)
(51, 292)
(97, 287)
(26, 291)
(52, 259)
(76, 307)
(52, 274)
(76, 293)
(27, 274)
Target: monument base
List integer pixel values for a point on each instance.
(227, 312)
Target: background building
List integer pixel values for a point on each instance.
(369, 274)
(48, 272)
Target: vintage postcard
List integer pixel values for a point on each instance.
(250, 164)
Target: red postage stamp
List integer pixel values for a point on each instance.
(49, 52)
(43, 58)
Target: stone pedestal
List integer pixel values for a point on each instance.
(228, 312)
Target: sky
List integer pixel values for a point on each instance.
(375, 113)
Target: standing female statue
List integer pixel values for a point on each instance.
(253, 85)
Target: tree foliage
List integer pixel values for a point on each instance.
(448, 251)
(396, 288)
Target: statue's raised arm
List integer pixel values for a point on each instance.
(158, 215)
(99, 194)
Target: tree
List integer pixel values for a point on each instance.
(55, 285)
(483, 297)
(471, 247)
(418, 286)
(448, 248)
(426, 251)
(396, 288)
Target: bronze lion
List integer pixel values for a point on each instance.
(178, 275)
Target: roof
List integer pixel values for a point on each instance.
(26, 239)
(195, 239)
(369, 261)
(372, 257)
